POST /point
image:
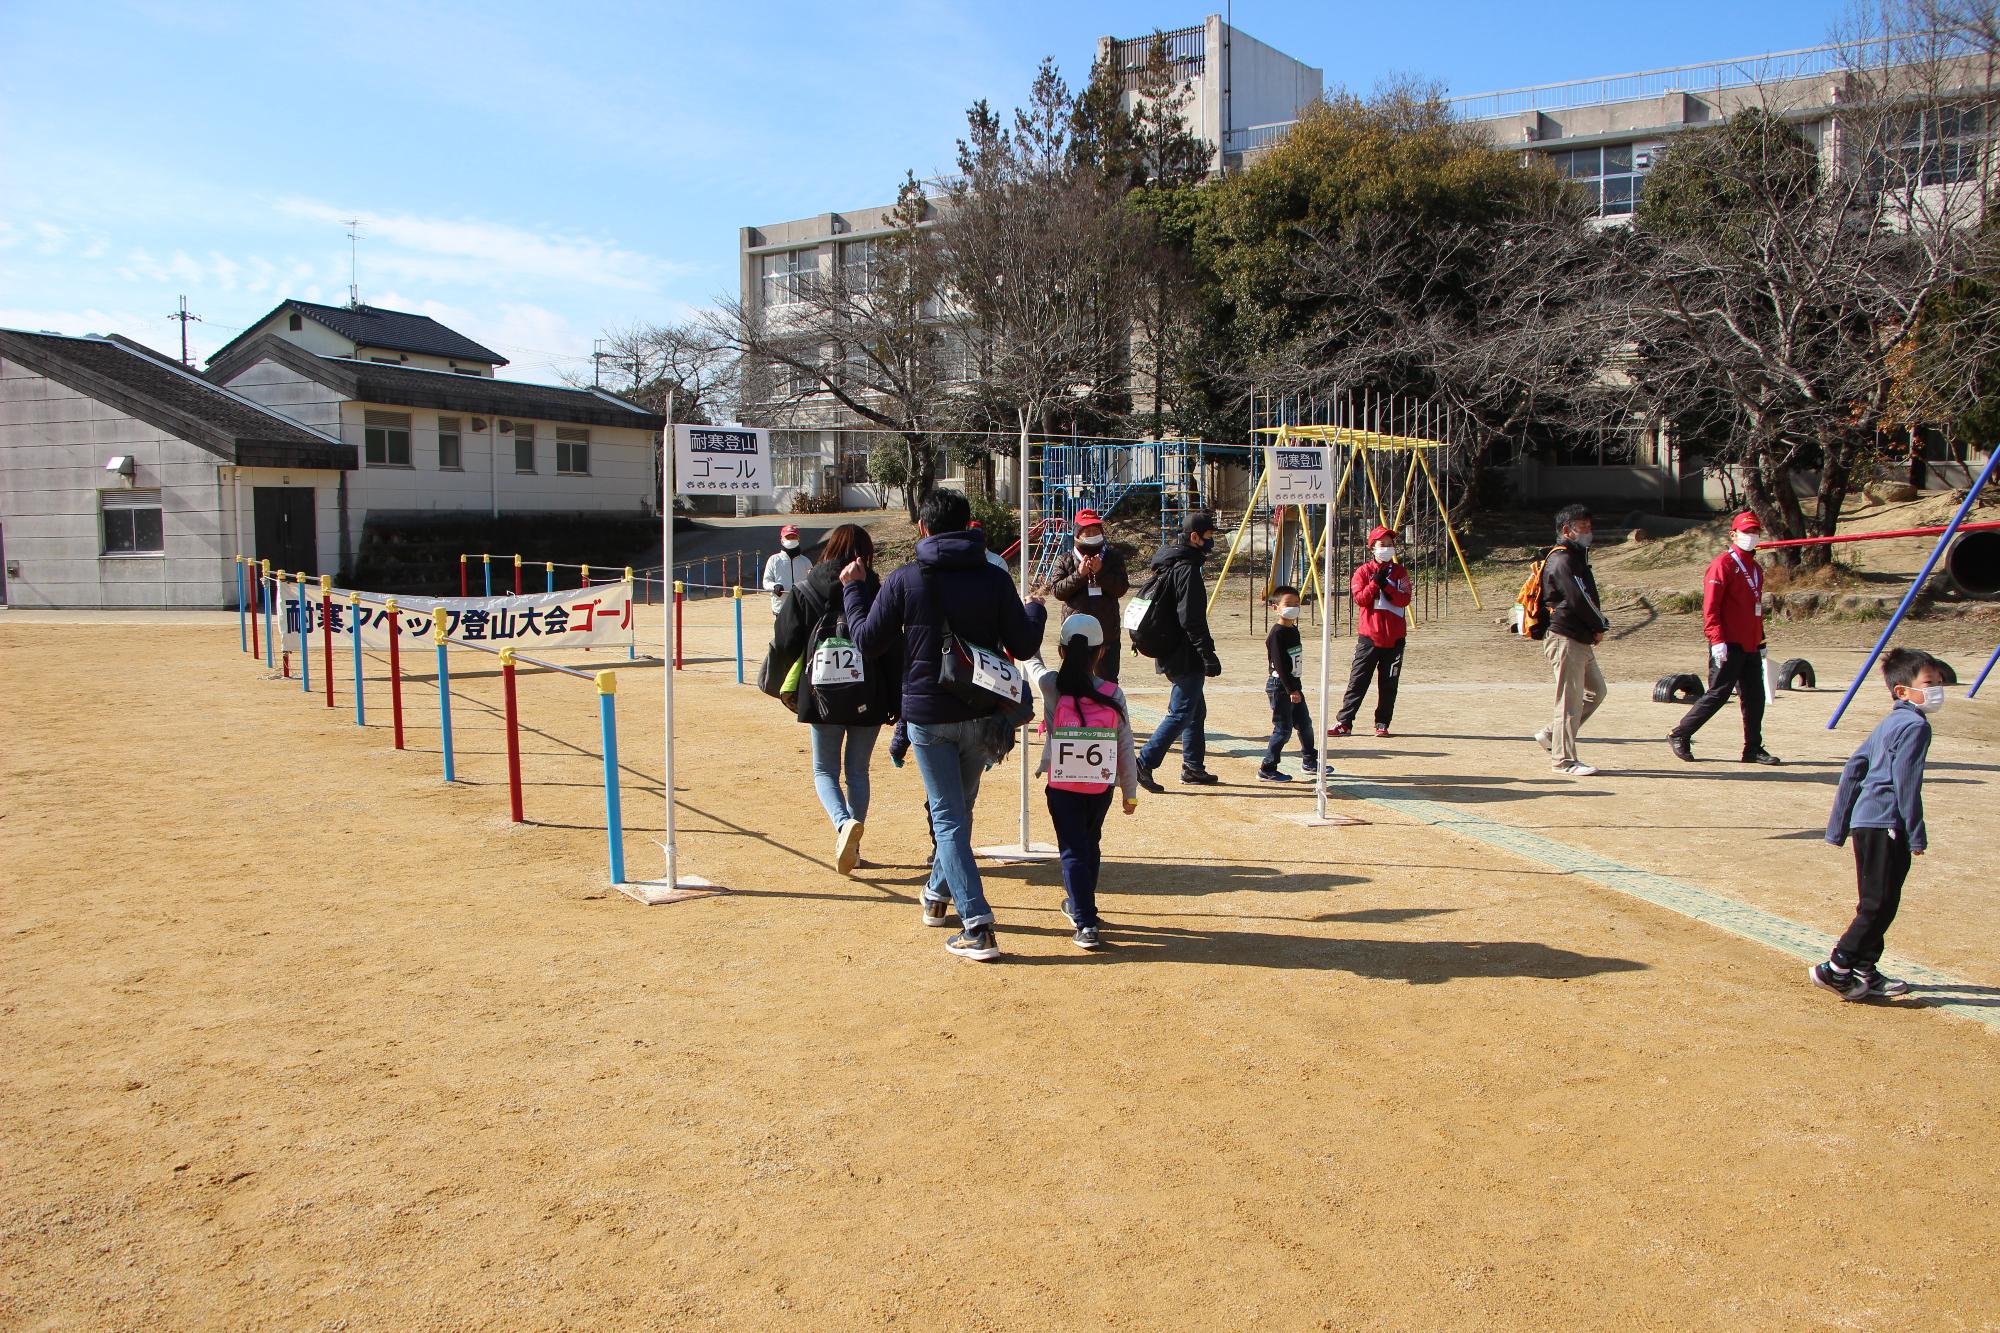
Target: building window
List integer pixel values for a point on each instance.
(1608, 174)
(786, 276)
(296, 323)
(387, 439)
(859, 265)
(572, 451)
(795, 458)
(524, 446)
(1939, 146)
(450, 458)
(132, 523)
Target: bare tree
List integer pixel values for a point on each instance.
(688, 361)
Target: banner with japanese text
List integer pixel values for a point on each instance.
(594, 617)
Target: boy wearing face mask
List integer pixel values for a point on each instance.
(1732, 612)
(1381, 590)
(1285, 690)
(787, 569)
(1088, 579)
(1880, 805)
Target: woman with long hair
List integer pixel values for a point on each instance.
(844, 699)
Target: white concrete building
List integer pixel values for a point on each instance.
(1240, 88)
(370, 333)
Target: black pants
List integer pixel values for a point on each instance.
(1386, 665)
(1742, 671)
(1079, 820)
(1881, 864)
(1287, 719)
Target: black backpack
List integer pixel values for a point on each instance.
(837, 675)
(1150, 620)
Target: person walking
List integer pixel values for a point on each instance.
(1088, 579)
(787, 568)
(1732, 614)
(1381, 591)
(1576, 626)
(1186, 655)
(949, 591)
(1285, 691)
(845, 698)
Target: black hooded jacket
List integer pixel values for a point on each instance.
(795, 634)
(1180, 586)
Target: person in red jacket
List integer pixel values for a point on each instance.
(1381, 589)
(1732, 612)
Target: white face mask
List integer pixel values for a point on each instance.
(1932, 701)
(1289, 612)
(1746, 541)
(789, 544)
(1581, 538)
(1385, 553)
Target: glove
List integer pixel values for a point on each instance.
(1719, 652)
(1381, 576)
(1211, 666)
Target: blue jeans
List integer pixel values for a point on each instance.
(827, 741)
(951, 756)
(1286, 718)
(1186, 721)
(1079, 820)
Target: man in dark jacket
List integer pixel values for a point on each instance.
(1090, 578)
(1576, 626)
(949, 583)
(1189, 659)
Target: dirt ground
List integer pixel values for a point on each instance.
(299, 1037)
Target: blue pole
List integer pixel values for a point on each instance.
(1973, 693)
(242, 612)
(486, 564)
(305, 647)
(1916, 585)
(552, 578)
(614, 823)
(737, 595)
(354, 637)
(265, 596)
(444, 700)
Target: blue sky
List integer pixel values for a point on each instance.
(535, 173)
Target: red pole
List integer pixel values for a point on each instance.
(680, 596)
(513, 734)
(395, 671)
(326, 634)
(517, 576)
(461, 578)
(1870, 536)
(286, 666)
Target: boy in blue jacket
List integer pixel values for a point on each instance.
(1880, 805)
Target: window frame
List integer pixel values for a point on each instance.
(524, 433)
(129, 505)
(387, 425)
(569, 439)
(450, 428)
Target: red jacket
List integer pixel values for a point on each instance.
(1381, 610)
(1732, 600)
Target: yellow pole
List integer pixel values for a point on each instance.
(1404, 503)
(1236, 541)
(1368, 471)
(1446, 516)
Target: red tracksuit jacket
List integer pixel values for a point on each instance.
(1732, 601)
(1383, 626)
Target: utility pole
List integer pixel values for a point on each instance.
(597, 355)
(354, 263)
(184, 316)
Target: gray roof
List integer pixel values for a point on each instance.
(407, 386)
(162, 392)
(372, 326)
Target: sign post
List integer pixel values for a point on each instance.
(1023, 848)
(695, 460)
(1303, 475)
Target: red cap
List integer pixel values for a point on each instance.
(1086, 517)
(1745, 522)
(1378, 534)
(789, 530)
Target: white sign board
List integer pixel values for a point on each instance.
(722, 460)
(1299, 475)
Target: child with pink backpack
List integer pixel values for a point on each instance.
(1086, 751)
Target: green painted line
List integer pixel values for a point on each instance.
(1699, 904)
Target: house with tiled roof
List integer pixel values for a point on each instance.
(370, 333)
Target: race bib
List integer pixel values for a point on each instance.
(836, 662)
(1298, 656)
(1084, 755)
(1135, 611)
(994, 673)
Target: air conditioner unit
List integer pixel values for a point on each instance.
(479, 423)
(506, 428)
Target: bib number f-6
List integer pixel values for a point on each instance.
(1084, 754)
(996, 674)
(836, 662)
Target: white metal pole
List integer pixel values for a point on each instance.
(668, 483)
(1325, 631)
(1025, 741)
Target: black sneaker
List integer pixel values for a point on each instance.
(1086, 937)
(1760, 756)
(1847, 985)
(975, 943)
(937, 911)
(1267, 775)
(1148, 781)
(1070, 916)
(1198, 777)
(1682, 750)
(1310, 765)
(1881, 987)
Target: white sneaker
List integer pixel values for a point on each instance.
(1576, 769)
(1542, 738)
(847, 847)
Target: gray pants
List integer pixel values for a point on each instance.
(1580, 689)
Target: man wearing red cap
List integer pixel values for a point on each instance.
(1732, 611)
(1381, 590)
(1089, 578)
(788, 568)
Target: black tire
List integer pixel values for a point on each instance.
(1797, 673)
(1677, 689)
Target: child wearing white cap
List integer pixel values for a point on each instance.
(1086, 752)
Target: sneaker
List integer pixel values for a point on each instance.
(976, 944)
(1380, 730)
(1881, 987)
(1847, 985)
(1542, 738)
(1148, 781)
(1086, 937)
(1310, 764)
(1340, 729)
(1678, 743)
(1270, 775)
(1198, 777)
(847, 847)
(1760, 756)
(1576, 769)
(1070, 916)
(937, 911)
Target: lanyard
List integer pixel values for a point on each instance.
(1753, 573)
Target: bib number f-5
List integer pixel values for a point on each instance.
(836, 662)
(1084, 754)
(994, 673)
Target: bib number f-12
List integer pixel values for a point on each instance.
(837, 662)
